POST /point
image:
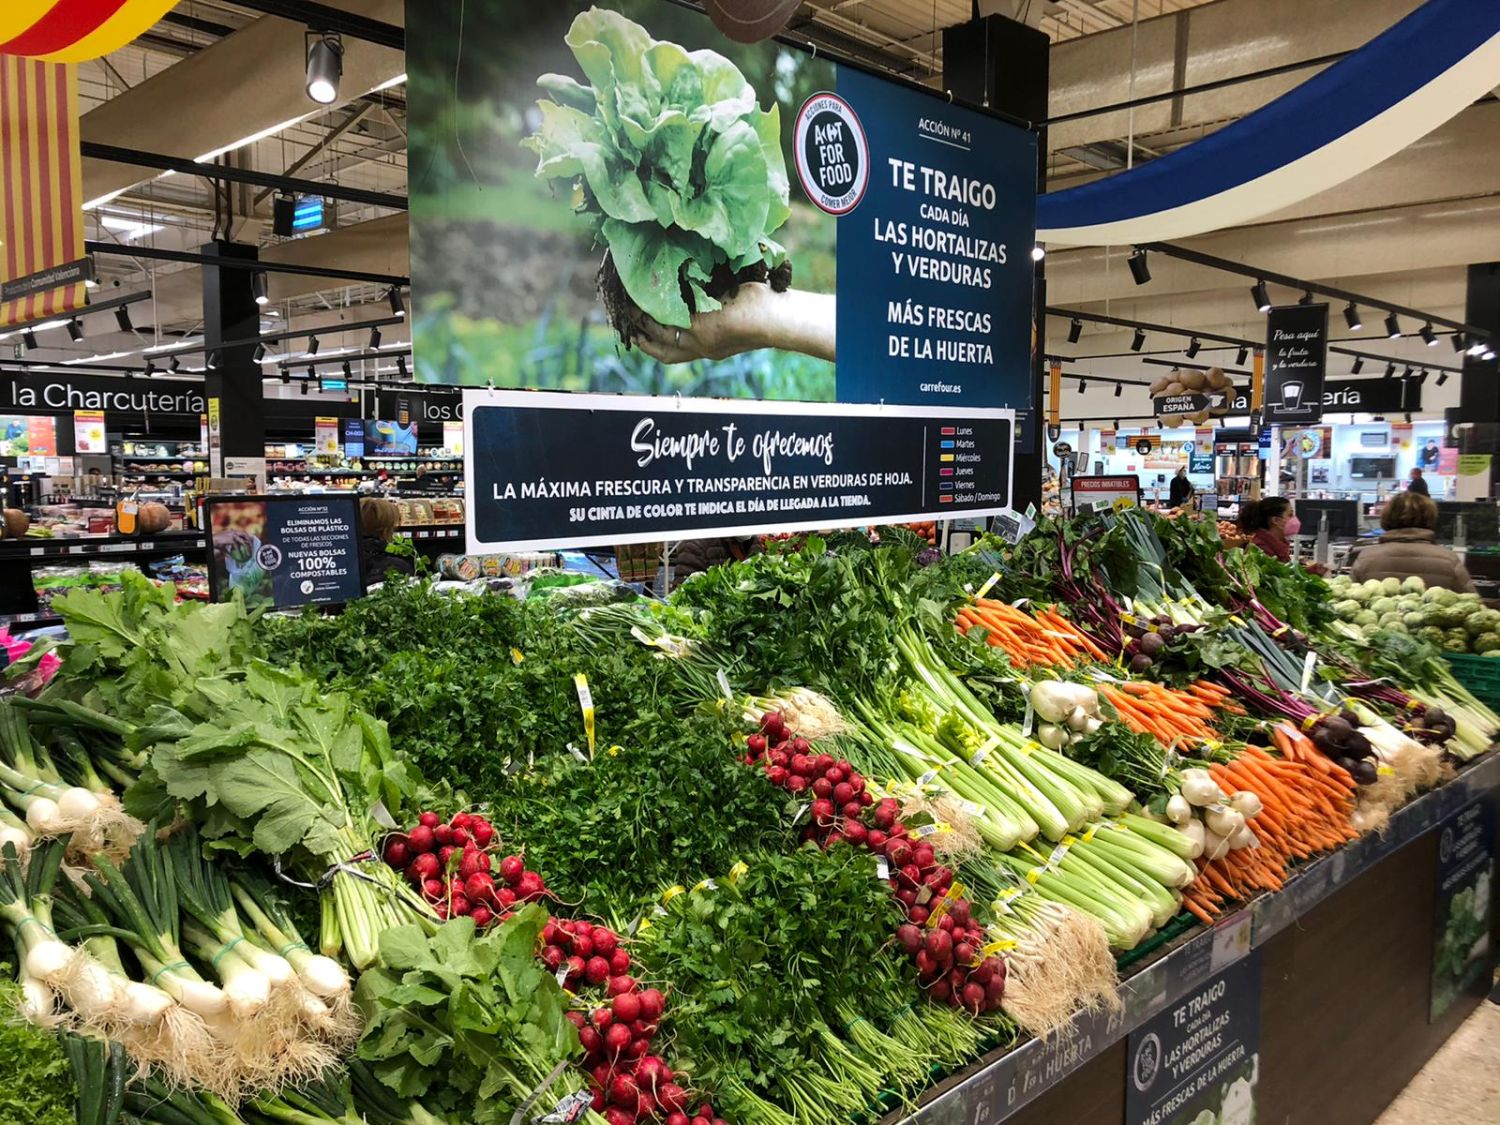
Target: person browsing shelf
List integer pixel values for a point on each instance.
(1270, 524)
(1410, 547)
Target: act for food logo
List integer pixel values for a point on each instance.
(833, 156)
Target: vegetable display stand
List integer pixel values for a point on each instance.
(1480, 674)
(1347, 950)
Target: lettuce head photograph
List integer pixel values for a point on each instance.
(600, 201)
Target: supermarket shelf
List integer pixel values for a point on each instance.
(106, 546)
(433, 531)
(30, 620)
(186, 474)
(160, 457)
(1002, 1083)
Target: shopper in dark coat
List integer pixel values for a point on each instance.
(1181, 490)
(378, 520)
(1410, 547)
(1418, 484)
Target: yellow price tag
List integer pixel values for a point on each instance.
(586, 704)
(515, 656)
(989, 584)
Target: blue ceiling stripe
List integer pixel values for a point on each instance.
(1357, 88)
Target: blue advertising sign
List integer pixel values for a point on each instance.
(281, 552)
(661, 210)
(1201, 1055)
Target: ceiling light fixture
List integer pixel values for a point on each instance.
(28, 337)
(175, 365)
(1359, 365)
(1458, 340)
(398, 307)
(325, 66)
(348, 371)
(122, 318)
(312, 372)
(1390, 370)
(1352, 317)
(150, 369)
(1262, 296)
(213, 361)
(1075, 330)
(260, 353)
(1239, 360)
(1083, 385)
(375, 337)
(1488, 355)
(75, 329)
(1038, 253)
(1442, 378)
(305, 385)
(1193, 347)
(286, 376)
(1139, 269)
(258, 287)
(1392, 326)
(1429, 337)
(1118, 388)
(1306, 298)
(1406, 374)
(312, 345)
(401, 366)
(1139, 340)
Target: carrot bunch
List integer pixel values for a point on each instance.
(1306, 802)
(1174, 717)
(1041, 637)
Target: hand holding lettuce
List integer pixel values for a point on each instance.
(682, 174)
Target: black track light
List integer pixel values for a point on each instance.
(401, 366)
(1429, 337)
(1359, 365)
(1138, 267)
(1075, 330)
(1118, 388)
(1193, 347)
(1422, 377)
(325, 66)
(1139, 340)
(258, 287)
(1083, 385)
(1392, 326)
(1239, 360)
(75, 329)
(1442, 378)
(348, 371)
(1352, 317)
(260, 352)
(374, 337)
(150, 369)
(213, 361)
(1390, 370)
(312, 345)
(312, 372)
(175, 365)
(1262, 296)
(28, 337)
(305, 385)
(398, 307)
(286, 376)
(1408, 417)
(1406, 374)
(122, 318)
(1306, 298)
(1458, 341)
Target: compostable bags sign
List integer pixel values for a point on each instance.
(618, 198)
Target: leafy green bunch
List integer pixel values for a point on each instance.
(471, 1025)
(681, 171)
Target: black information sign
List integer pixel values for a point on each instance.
(284, 551)
(1461, 949)
(1200, 1057)
(1296, 361)
(554, 470)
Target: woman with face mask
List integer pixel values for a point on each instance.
(1270, 525)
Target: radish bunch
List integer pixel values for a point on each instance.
(454, 868)
(940, 934)
(629, 1083)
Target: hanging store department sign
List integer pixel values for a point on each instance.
(762, 210)
(1296, 360)
(1357, 396)
(546, 471)
(35, 393)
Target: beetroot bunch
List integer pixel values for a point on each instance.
(629, 1083)
(454, 868)
(940, 934)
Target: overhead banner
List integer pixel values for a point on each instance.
(546, 471)
(618, 198)
(74, 31)
(1296, 361)
(42, 262)
(1357, 396)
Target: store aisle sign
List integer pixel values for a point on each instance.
(281, 552)
(1462, 949)
(1296, 363)
(31, 393)
(1199, 1060)
(549, 471)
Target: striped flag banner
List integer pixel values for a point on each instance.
(74, 30)
(42, 261)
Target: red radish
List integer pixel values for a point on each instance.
(833, 838)
(459, 904)
(963, 953)
(620, 984)
(677, 1118)
(865, 799)
(553, 956)
(530, 886)
(647, 1107)
(973, 997)
(940, 946)
(946, 923)
(918, 914)
(941, 990)
(907, 897)
(623, 1091)
(420, 839)
(443, 834)
(822, 812)
(823, 763)
(589, 1039)
(602, 1073)
(440, 909)
(898, 852)
(773, 726)
(651, 1072)
(619, 962)
(912, 874)
(777, 775)
(444, 854)
(638, 1048)
(796, 784)
(432, 888)
(852, 811)
(576, 1018)
(429, 820)
(473, 863)
(397, 854)
(583, 928)
(618, 1115)
(843, 793)
(653, 1003)
(604, 940)
(672, 1098)
(461, 837)
(576, 966)
(756, 744)
(854, 832)
(923, 856)
(512, 867)
(482, 916)
(876, 840)
(910, 938)
(480, 886)
(801, 765)
(461, 820)
(505, 897)
(550, 933)
(926, 966)
(483, 834)
(602, 1017)
(596, 970)
(583, 944)
(822, 787)
(856, 782)
(627, 1006)
(616, 1039)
